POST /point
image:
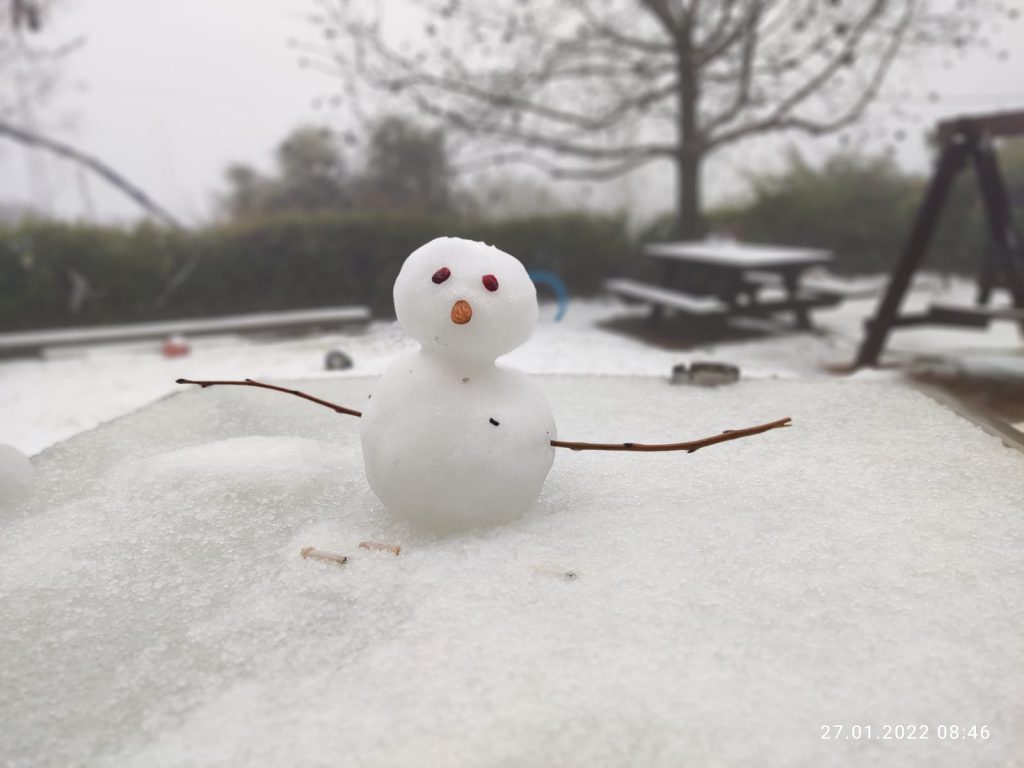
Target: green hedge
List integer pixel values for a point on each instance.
(277, 263)
(860, 207)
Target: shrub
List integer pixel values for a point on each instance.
(285, 262)
(861, 208)
(857, 207)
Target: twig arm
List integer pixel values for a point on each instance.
(689, 447)
(250, 383)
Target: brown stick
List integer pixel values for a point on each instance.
(319, 554)
(690, 447)
(251, 383)
(394, 549)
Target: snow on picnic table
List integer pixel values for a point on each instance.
(861, 567)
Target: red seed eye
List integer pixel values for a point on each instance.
(441, 275)
(490, 282)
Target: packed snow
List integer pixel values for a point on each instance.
(17, 477)
(861, 567)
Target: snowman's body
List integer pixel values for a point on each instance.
(477, 440)
(451, 440)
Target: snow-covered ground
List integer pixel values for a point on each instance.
(44, 401)
(861, 568)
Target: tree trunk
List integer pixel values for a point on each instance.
(689, 212)
(690, 223)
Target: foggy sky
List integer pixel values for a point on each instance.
(171, 92)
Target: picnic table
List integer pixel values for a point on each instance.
(728, 278)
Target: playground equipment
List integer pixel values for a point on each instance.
(961, 141)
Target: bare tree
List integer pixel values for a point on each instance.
(30, 71)
(91, 163)
(403, 168)
(588, 90)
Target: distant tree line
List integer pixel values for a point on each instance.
(404, 168)
(324, 228)
(858, 205)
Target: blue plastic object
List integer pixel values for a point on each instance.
(553, 281)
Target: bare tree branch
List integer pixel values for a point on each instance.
(94, 164)
(781, 117)
(250, 383)
(748, 32)
(557, 170)
(723, 38)
(616, 84)
(660, 10)
(617, 36)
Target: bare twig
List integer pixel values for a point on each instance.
(250, 383)
(690, 447)
(394, 549)
(318, 554)
(561, 573)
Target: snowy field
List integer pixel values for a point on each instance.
(861, 568)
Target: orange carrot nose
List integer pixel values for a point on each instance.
(462, 313)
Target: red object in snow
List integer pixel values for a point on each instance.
(175, 346)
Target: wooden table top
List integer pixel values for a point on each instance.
(729, 254)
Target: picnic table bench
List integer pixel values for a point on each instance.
(731, 279)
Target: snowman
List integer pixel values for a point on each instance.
(450, 439)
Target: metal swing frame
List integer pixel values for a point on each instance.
(962, 141)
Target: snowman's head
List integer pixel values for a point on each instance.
(465, 298)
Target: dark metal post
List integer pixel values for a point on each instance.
(986, 278)
(1006, 255)
(951, 161)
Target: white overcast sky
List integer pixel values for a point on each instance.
(170, 91)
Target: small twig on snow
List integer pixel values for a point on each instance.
(318, 554)
(689, 447)
(392, 548)
(250, 383)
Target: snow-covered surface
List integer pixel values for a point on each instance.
(44, 401)
(727, 252)
(17, 476)
(259, 321)
(862, 567)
